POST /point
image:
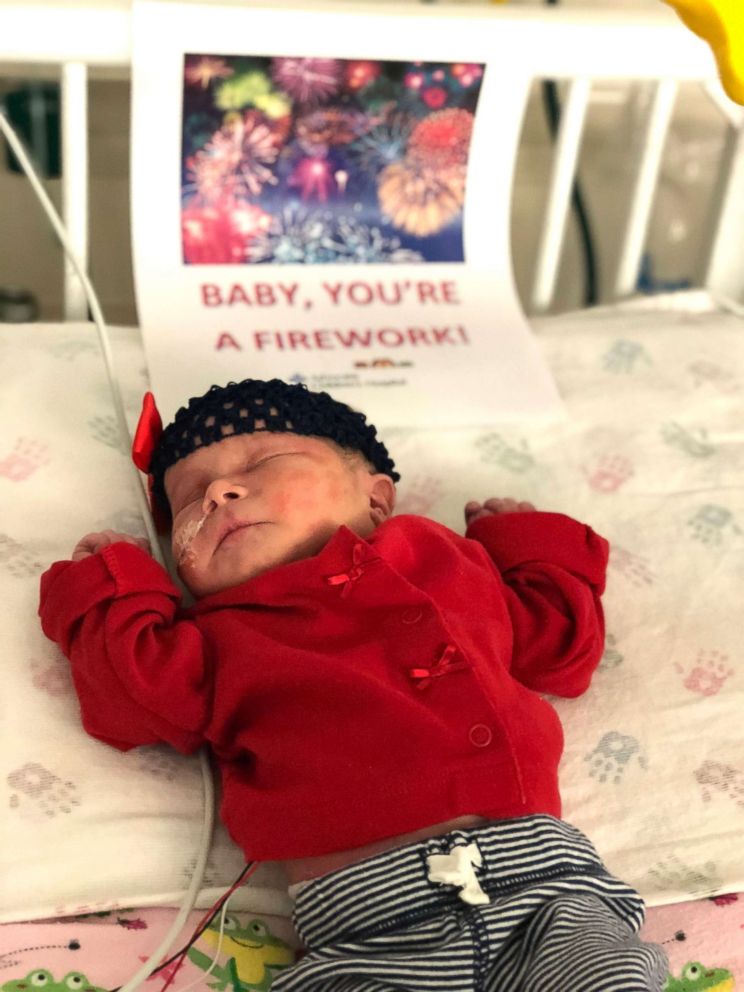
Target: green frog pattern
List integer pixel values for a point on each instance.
(39, 978)
(251, 955)
(695, 977)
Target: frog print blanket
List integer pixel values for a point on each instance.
(95, 952)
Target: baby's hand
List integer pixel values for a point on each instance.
(92, 543)
(493, 506)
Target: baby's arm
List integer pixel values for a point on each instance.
(140, 672)
(553, 569)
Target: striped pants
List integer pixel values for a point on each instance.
(521, 905)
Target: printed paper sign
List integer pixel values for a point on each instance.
(324, 197)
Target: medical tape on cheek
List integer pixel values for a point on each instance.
(185, 537)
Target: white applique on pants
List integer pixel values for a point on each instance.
(458, 868)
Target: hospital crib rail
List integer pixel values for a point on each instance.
(577, 48)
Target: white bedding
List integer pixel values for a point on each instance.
(652, 455)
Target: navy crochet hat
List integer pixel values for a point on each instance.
(260, 405)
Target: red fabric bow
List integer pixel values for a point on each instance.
(445, 664)
(347, 579)
(146, 437)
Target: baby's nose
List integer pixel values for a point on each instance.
(221, 491)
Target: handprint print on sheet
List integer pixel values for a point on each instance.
(495, 448)
(631, 566)
(608, 472)
(713, 525)
(39, 792)
(16, 559)
(612, 755)
(611, 657)
(709, 673)
(106, 430)
(709, 373)
(52, 675)
(26, 457)
(623, 355)
(715, 776)
(693, 442)
(673, 873)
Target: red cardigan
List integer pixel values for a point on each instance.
(381, 686)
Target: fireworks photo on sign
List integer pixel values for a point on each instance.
(318, 160)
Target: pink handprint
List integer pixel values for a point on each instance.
(608, 472)
(708, 675)
(26, 457)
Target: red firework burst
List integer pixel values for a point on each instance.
(442, 139)
(314, 176)
(361, 73)
(434, 97)
(220, 233)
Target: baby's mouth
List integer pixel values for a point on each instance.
(233, 527)
(231, 532)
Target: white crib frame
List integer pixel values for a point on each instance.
(575, 47)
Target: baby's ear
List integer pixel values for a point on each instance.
(381, 498)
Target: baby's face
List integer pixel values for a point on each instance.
(254, 501)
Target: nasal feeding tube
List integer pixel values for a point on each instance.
(184, 538)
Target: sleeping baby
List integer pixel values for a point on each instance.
(371, 688)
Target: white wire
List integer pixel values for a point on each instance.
(95, 309)
(200, 978)
(143, 973)
(208, 784)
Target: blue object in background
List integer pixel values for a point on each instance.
(648, 284)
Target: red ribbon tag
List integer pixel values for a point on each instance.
(147, 435)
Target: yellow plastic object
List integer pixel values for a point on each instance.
(721, 24)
